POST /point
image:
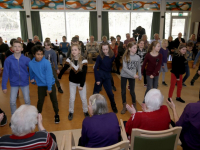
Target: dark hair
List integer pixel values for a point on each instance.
(37, 48)
(16, 41)
(64, 37)
(118, 36)
(110, 52)
(112, 38)
(190, 44)
(12, 40)
(75, 39)
(140, 40)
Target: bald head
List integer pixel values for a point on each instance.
(156, 36)
(179, 35)
(35, 38)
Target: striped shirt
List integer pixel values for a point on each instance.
(39, 140)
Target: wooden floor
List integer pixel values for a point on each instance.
(63, 101)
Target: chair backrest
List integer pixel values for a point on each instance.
(155, 140)
(122, 145)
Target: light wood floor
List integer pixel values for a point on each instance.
(76, 123)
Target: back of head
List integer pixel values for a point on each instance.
(153, 99)
(75, 39)
(99, 104)
(24, 119)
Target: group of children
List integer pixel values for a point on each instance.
(43, 71)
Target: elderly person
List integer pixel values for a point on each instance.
(179, 40)
(171, 45)
(128, 39)
(30, 44)
(102, 128)
(156, 38)
(146, 43)
(23, 123)
(194, 41)
(120, 46)
(3, 48)
(92, 49)
(189, 121)
(154, 117)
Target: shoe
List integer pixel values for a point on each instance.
(128, 87)
(192, 83)
(118, 72)
(60, 90)
(86, 114)
(70, 116)
(4, 121)
(57, 119)
(124, 109)
(61, 65)
(163, 83)
(114, 108)
(10, 124)
(183, 84)
(180, 100)
(114, 88)
(145, 85)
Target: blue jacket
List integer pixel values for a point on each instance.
(42, 73)
(16, 71)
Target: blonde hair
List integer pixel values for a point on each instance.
(191, 36)
(126, 56)
(80, 59)
(104, 37)
(110, 52)
(153, 44)
(163, 41)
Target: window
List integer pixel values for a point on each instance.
(53, 25)
(10, 25)
(167, 24)
(180, 14)
(77, 24)
(142, 19)
(119, 23)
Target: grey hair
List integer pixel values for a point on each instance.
(24, 119)
(99, 104)
(153, 99)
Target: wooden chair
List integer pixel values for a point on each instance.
(155, 140)
(123, 145)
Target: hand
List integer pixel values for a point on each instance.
(1, 117)
(3, 53)
(199, 72)
(58, 71)
(61, 45)
(144, 107)
(98, 83)
(5, 91)
(194, 66)
(124, 45)
(163, 66)
(172, 50)
(151, 76)
(49, 91)
(40, 126)
(171, 104)
(80, 88)
(136, 76)
(130, 109)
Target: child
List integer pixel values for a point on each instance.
(189, 55)
(41, 74)
(103, 76)
(10, 51)
(197, 75)
(64, 47)
(154, 60)
(178, 69)
(15, 68)
(142, 52)
(51, 56)
(164, 51)
(131, 63)
(77, 75)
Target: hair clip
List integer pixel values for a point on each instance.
(93, 102)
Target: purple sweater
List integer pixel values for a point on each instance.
(164, 55)
(189, 120)
(100, 130)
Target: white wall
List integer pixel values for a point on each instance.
(195, 14)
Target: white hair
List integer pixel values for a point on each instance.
(153, 99)
(24, 119)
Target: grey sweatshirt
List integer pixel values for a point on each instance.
(51, 56)
(130, 69)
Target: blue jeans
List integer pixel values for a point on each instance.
(61, 57)
(13, 96)
(187, 72)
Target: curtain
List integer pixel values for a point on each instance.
(23, 24)
(93, 25)
(36, 24)
(105, 24)
(155, 26)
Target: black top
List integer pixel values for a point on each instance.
(30, 45)
(120, 48)
(176, 42)
(171, 46)
(178, 65)
(3, 48)
(75, 75)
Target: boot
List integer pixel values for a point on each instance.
(124, 109)
(114, 108)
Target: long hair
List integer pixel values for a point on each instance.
(110, 52)
(80, 59)
(153, 44)
(126, 56)
(179, 48)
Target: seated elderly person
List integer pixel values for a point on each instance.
(189, 121)
(23, 123)
(92, 49)
(154, 116)
(102, 128)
